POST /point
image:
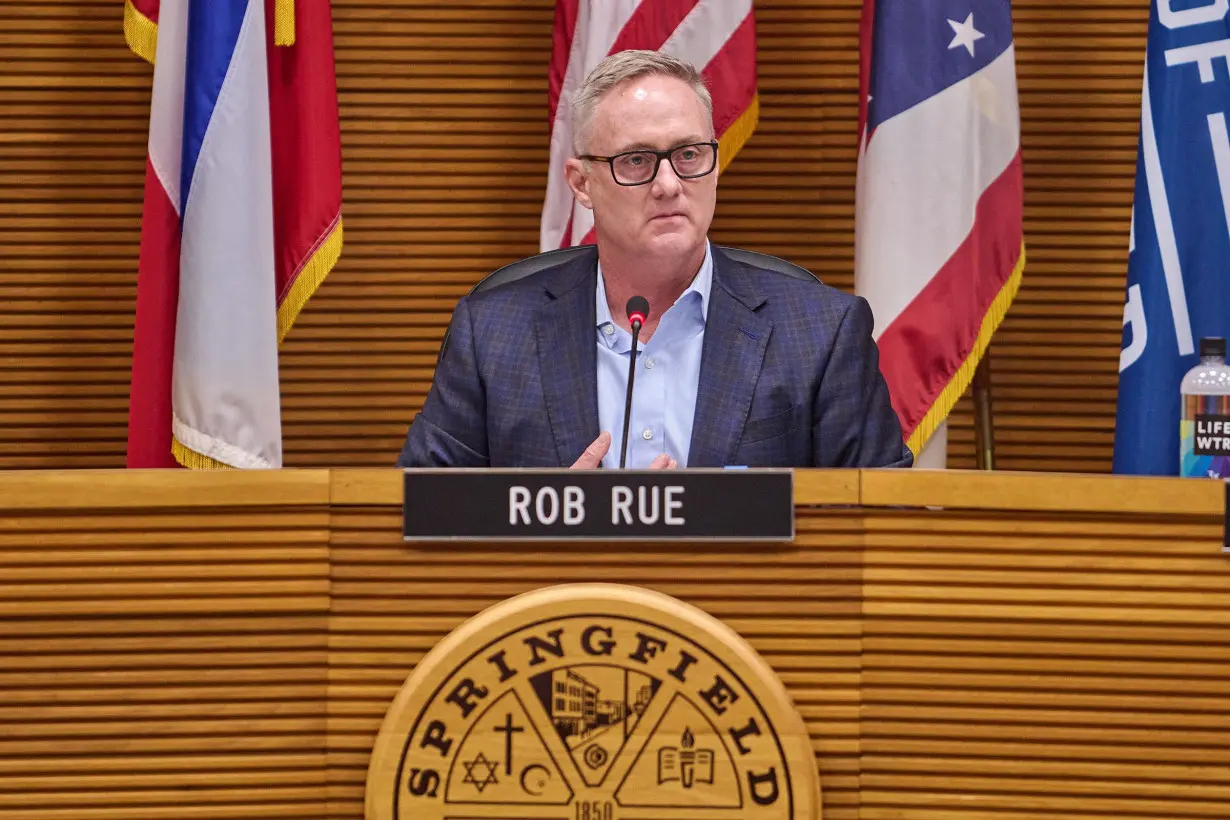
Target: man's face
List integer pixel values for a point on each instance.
(668, 216)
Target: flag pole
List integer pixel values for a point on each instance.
(984, 428)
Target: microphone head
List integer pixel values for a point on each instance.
(638, 310)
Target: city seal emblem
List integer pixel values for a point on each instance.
(592, 702)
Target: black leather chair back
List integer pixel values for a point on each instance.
(524, 267)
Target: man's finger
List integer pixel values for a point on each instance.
(662, 462)
(592, 457)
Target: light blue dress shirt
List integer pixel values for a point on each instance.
(667, 375)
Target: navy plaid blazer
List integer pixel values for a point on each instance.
(789, 377)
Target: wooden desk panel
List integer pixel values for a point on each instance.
(181, 645)
(1026, 665)
(797, 605)
(163, 646)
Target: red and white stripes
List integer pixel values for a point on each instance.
(717, 36)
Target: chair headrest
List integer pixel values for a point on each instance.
(524, 267)
(533, 264)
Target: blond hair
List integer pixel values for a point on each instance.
(623, 66)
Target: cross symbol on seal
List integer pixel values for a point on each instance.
(508, 729)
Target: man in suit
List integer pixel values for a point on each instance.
(739, 365)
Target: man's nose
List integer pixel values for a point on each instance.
(666, 183)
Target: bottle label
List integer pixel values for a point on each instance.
(1212, 435)
(1204, 437)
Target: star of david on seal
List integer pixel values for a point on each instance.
(485, 775)
(593, 702)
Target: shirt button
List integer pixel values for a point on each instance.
(649, 364)
(647, 434)
(608, 329)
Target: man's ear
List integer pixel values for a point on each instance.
(578, 181)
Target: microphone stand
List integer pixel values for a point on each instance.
(623, 447)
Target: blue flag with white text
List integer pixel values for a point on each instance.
(1178, 287)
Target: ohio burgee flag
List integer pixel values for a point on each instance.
(939, 241)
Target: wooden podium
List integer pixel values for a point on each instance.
(965, 646)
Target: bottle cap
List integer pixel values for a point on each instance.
(1212, 346)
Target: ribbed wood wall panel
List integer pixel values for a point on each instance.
(163, 664)
(445, 145)
(1023, 666)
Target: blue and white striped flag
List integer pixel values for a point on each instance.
(1179, 266)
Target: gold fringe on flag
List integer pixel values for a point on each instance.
(738, 134)
(310, 277)
(193, 460)
(948, 397)
(284, 22)
(140, 32)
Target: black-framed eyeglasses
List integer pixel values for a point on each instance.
(641, 167)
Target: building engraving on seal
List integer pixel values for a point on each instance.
(592, 702)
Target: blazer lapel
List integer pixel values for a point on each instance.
(731, 358)
(568, 359)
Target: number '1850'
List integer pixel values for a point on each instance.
(595, 810)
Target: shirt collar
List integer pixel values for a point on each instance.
(701, 285)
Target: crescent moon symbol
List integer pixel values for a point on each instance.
(546, 778)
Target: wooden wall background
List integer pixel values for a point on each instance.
(445, 145)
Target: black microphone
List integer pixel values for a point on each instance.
(638, 312)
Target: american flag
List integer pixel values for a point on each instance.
(716, 36)
(940, 246)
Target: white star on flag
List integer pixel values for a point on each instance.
(966, 35)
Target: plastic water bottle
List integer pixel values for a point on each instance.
(1204, 429)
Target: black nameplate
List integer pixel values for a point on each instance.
(507, 505)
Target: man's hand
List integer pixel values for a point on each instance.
(591, 459)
